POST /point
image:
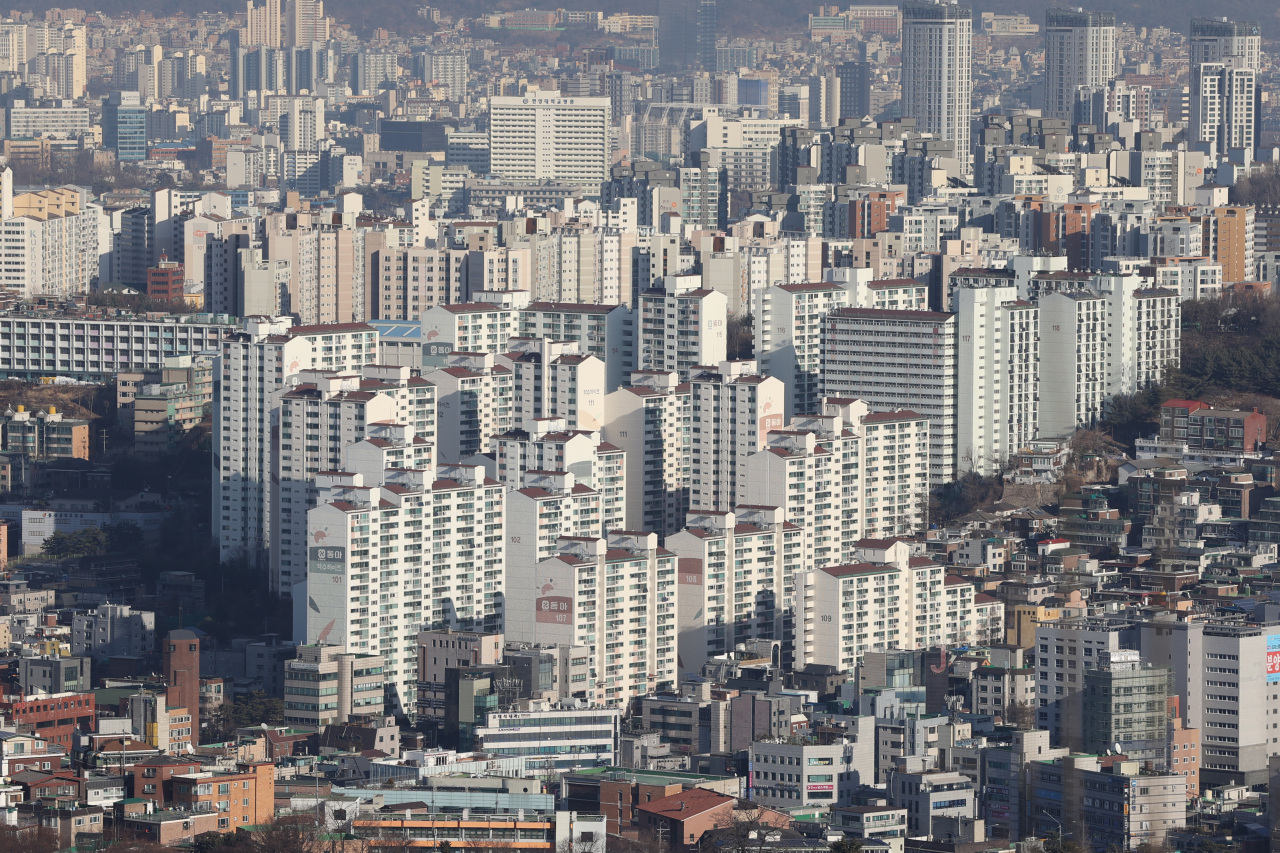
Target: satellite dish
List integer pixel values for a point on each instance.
(1117, 748)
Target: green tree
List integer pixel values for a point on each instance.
(848, 844)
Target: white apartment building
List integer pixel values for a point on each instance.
(789, 321)
(885, 599)
(1145, 331)
(258, 363)
(548, 445)
(543, 136)
(550, 505)
(898, 359)
(406, 281)
(1080, 50)
(680, 329)
(96, 349)
(51, 241)
(321, 418)
(735, 577)
(603, 331)
(937, 71)
(469, 327)
(895, 471)
(1073, 360)
(734, 409)
(1225, 57)
(111, 630)
(615, 597)
(996, 368)
(554, 379)
(473, 402)
(650, 422)
(413, 550)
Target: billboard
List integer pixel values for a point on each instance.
(1273, 658)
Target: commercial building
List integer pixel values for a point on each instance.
(1125, 806)
(800, 775)
(1126, 703)
(325, 685)
(563, 737)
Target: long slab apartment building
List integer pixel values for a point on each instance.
(95, 349)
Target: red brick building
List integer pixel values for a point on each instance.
(165, 280)
(54, 718)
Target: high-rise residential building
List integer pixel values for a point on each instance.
(855, 89)
(937, 71)
(617, 597)
(554, 379)
(304, 23)
(1080, 50)
(681, 329)
(997, 383)
(547, 136)
(326, 419)
(735, 578)
(679, 32)
(789, 323)
(650, 422)
(264, 24)
(1225, 96)
(552, 504)
(1073, 360)
(449, 69)
(51, 240)
(708, 30)
(547, 445)
(447, 571)
(474, 399)
(734, 409)
(124, 126)
(863, 353)
(259, 362)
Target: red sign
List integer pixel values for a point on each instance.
(556, 609)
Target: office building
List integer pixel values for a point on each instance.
(325, 685)
(124, 126)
